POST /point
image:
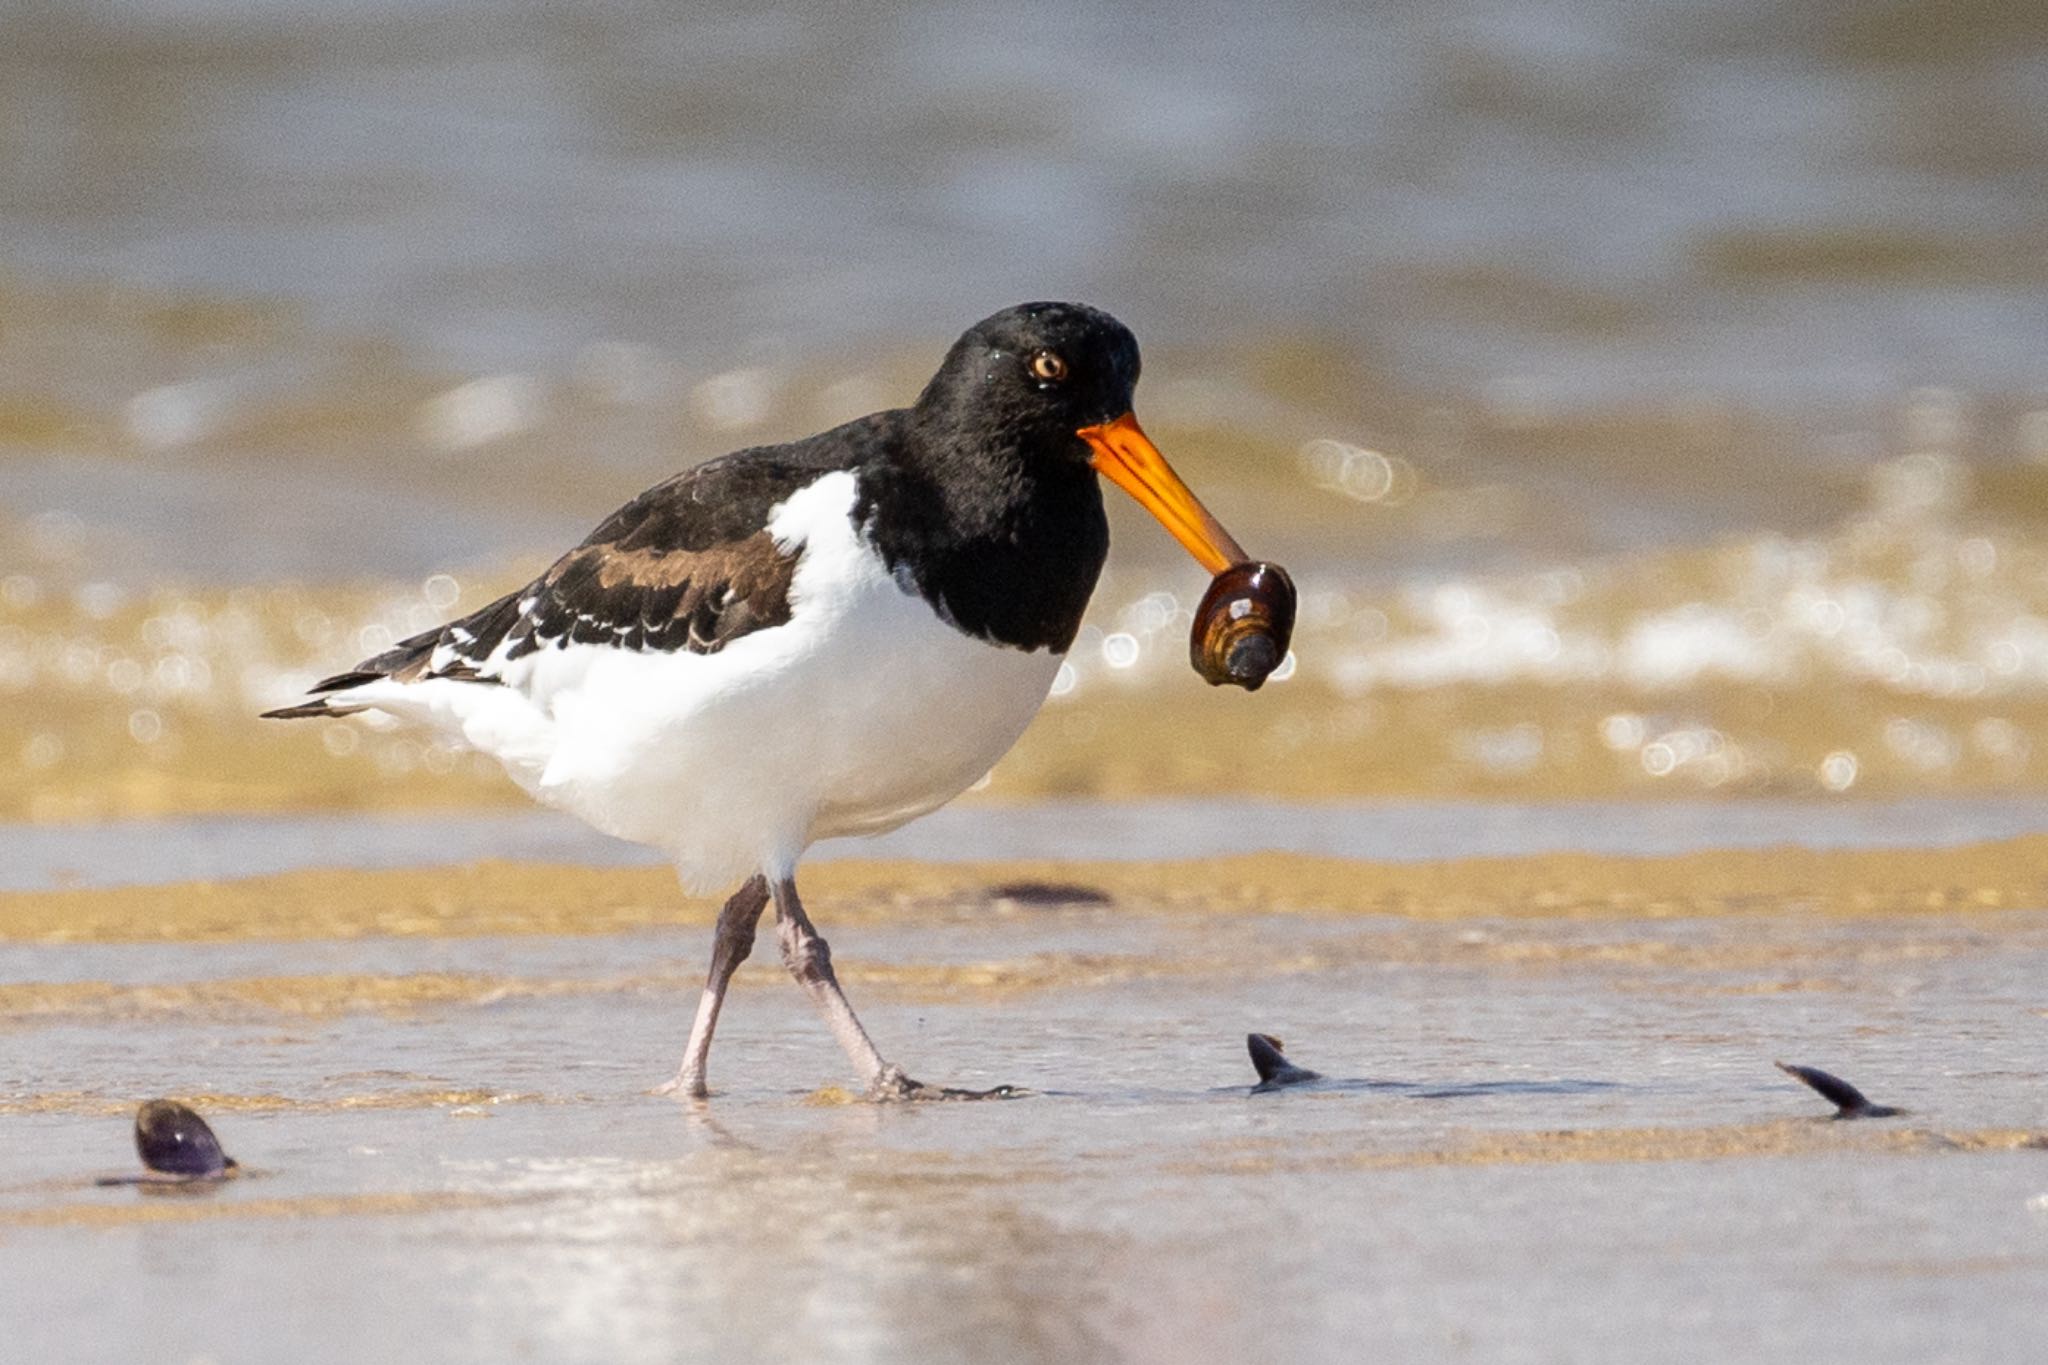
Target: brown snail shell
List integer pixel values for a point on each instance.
(1243, 625)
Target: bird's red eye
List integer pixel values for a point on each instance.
(1048, 366)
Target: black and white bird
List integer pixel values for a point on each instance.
(798, 642)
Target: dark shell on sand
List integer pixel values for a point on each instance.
(1272, 1065)
(1849, 1102)
(173, 1140)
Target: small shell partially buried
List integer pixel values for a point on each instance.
(174, 1141)
(1243, 625)
(1275, 1071)
(1849, 1102)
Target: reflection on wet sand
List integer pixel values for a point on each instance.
(769, 1251)
(1712, 1142)
(198, 1210)
(408, 1097)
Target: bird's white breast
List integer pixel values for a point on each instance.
(862, 711)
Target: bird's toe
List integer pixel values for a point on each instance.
(897, 1088)
(682, 1085)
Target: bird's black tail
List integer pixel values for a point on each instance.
(305, 710)
(331, 705)
(471, 640)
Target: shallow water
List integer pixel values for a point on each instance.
(1647, 398)
(1903, 653)
(1572, 1140)
(1585, 202)
(36, 857)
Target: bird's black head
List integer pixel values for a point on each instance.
(1038, 392)
(1035, 375)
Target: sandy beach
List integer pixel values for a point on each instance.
(1541, 1071)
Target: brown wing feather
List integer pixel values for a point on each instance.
(686, 566)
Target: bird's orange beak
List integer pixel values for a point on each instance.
(1134, 464)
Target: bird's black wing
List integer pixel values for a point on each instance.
(688, 565)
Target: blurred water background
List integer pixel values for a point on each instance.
(1651, 398)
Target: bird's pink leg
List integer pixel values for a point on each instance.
(730, 945)
(809, 959)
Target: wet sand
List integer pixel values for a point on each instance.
(1551, 1127)
(139, 852)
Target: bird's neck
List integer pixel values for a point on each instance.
(1005, 543)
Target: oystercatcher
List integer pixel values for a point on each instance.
(805, 641)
